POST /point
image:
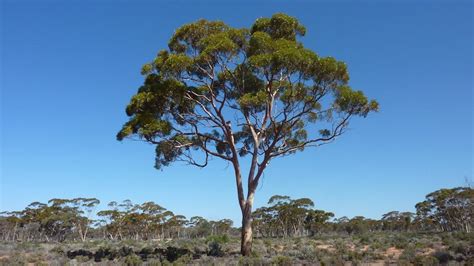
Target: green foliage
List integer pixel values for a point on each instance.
(279, 26)
(215, 243)
(408, 254)
(212, 70)
(282, 260)
(250, 261)
(425, 261)
(442, 256)
(354, 101)
(132, 260)
(221, 239)
(307, 252)
(183, 260)
(82, 259)
(400, 242)
(225, 92)
(327, 249)
(215, 249)
(62, 220)
(449, 209)
(286, 216)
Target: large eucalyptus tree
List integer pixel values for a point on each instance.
(224, 92)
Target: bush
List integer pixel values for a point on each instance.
(442, 256)
(400, 242)
(81, 252)
(334, 260)
(58, 250)
(281, 260)
(145, 253)
(215, 250)
(154, 262)
(470, 261)
(81, 258)
(460, 247)
(173, 253)
(253, 261)
(267, 243)
(430, 261)
(183, 260)
(28, 246)
(408, 254)
(102, 253)
(132, 260)
(403, 262)
(425, 261)
(221, 239)
(365, 239)
(125, 251)
(307, 252)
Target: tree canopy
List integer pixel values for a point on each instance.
(225, 92)
(261, 84)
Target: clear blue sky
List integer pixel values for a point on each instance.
(69, 69)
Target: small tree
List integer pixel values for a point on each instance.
(227, 93)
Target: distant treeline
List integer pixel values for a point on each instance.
(77, 219)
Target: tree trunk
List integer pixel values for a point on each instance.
(246, 234)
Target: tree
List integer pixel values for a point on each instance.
(115, 218)
(448, 209)
(227, 93)
(395, 220)
(316, 220)
(289, 217)
(201, 226)
(84, 208)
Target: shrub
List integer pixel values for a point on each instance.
(336, 261)
(400, 242)
(183, 260)
(101, 253)
(81, 252)
(81, 258)
(255, 254)
(153, 262)
(430, 261)
(442, 256)
(132, 260)
(145, 253)
(463, 235)
(425, 261)
(173, 253)
(352, 256)
(125, 251)
(200, 249)
(404, 262)
(408, 254)
(254, 261)
(58, 250)
(215, 250)
(365, 239)
(267, 243)
(16, 259)
(221, 239)
(460, 247)
(281, 260)
(28, 246)
(307, 252)
(470, 261)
